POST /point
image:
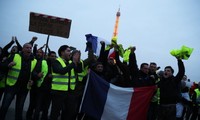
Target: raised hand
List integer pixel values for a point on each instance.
(34, 39)
(76, 57)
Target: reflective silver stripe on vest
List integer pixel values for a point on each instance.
(60, 83)
(14, 69)
(12, 77)
(72, 77)
(80, 75)
(72, 83)
(55, 76)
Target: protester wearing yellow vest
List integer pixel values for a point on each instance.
(39, 73)
(76, 87)
(153, 107)
(196, 102)
(61, 71)
(20, 67)
(39, 97)
(43, 82)
(2, 81)
(2, 74)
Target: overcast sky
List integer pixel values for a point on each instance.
(154, 26)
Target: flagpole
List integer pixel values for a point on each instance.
(88, 76)
(46, 46)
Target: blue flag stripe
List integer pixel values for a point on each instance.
(95, 96)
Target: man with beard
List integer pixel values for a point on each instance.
(60, 86)
(43, 98)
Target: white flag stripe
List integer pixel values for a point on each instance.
(116, 103)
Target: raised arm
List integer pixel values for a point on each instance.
(5, 48)
(133, 63)
(181, 70)
(102, 54)
(18, 44)
(33, 40)
(91, 58)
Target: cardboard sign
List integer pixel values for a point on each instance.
(49, 25)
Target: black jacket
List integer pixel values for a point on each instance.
(25, 72)
(139, 79)
(169, 86)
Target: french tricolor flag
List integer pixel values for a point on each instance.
(105, 101)
(96, 46)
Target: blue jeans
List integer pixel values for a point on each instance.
(9, 94)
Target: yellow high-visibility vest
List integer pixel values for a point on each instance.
(3, 83)
(60, 82)
(83, 73)
(13, 73)
(197, 91)
(79, 77)
(44, 69)
(72, 80)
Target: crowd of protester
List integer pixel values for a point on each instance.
(55, 81)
